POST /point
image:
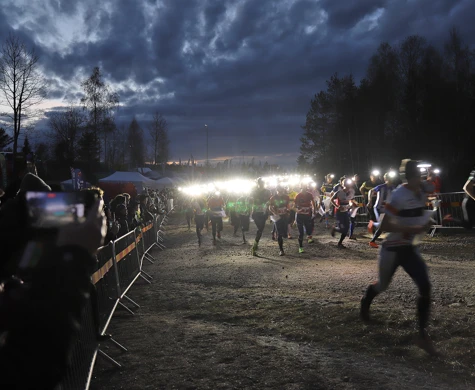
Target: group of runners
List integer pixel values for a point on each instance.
(286, 208)
(397, 205)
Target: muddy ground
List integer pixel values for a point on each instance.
(218, 318)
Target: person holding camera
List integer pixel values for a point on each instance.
(43, 294)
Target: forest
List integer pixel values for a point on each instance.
(415, 101)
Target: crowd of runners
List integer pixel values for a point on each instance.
(297, 201)
(398, 204)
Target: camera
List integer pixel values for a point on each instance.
(48, 211)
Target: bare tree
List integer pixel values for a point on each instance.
(158, 131)
(101, 104)
(65, 127)
(22, 85)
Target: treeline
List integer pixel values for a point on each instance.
(85, 133)
(88, 132)
(415, 102)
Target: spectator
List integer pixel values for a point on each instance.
(13, 223)
(14, 186)
(112, 224)
(39, 319)
(121, 217)
(144, 208)
(135, 219)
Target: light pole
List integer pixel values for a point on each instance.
(207, 157)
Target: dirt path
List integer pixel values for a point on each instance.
(218, 318)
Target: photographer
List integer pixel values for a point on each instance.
(13, 224)
(39, 316)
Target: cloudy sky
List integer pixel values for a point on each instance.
(246, 68)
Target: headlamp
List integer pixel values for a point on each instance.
(375, 172)
(392, 174)
(332, 175)
(437, 171)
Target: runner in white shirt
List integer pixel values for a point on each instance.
(405, 218)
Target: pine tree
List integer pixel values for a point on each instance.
(5, 139)
(136, 144)
(26, 147)
(88, 147)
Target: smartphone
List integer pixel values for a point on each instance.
(51, 210)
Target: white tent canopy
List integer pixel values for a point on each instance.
(143, 171)
(138, 180)
(165, 182)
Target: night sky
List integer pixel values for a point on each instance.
(247, 69)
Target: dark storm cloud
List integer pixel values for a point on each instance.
(246, 68)
(345, 14)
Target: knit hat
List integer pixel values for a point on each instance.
(32, 182)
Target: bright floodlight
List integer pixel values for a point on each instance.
(424, 165)
(392, 174)
(422, 169)
(375, 172)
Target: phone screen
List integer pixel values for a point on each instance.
(48, 210)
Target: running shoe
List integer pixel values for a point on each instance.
(341, 246)
(353, 237)
(289, 236)
(300, 250)
(214, 241)
(370, 226)
(310, 240)
(219, 235)
(424, 342)
(372, 244)
(281, 253)
(332, 232)
(254, 250)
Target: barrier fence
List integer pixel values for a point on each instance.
(119, 265)
(449, 203)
